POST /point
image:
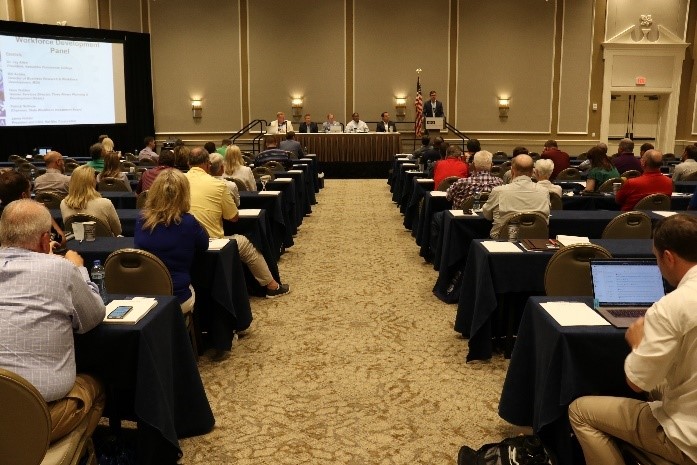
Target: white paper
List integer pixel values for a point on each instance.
(461, 214)
(141, 306)
(295, 171)
(574, 314)
(424, 180)
(249, 212)
(501, 247)
(274, 193)
(284, 179)
(217, 244)
(438, 193)
(680, 194)
(569, 240)
(665, 214)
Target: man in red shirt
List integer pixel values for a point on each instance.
(560, 159)
(165, 161)
(651, 182)
(452, 165)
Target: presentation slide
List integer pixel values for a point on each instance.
(54, 81)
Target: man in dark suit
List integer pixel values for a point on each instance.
(385, 125)
(291, 145)
(434, 107)
(308, 125)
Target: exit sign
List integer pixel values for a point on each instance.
(640, 81)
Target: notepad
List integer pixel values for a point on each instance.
(574, 314)
(501, 247)
(294, 171)
(284, 179)
(664, 213)
(269, 193)
(462, 214)
(438, 194)
(217, 244)
(569, 240)
(424, 180)
(140, 307)
(249, 212)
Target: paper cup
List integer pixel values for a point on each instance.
(90, 230)
(79, 231)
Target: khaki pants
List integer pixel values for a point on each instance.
(251, 257)
(597, 420)
(86, 398)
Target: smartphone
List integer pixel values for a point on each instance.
(119, 312)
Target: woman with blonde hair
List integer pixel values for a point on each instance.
(166, 229)
(181, 157)
(235, 168)
(112, 169)
(108, 144)
(83, 198)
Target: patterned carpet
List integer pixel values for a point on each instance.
(359, 365)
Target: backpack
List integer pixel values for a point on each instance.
(520, 450)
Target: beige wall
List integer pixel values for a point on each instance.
(622, 14)
(80, 13)
(125, 15)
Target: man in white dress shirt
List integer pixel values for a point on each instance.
(356, 125)
(280, 125)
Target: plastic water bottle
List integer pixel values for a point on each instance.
(513, 231)
(97, 275)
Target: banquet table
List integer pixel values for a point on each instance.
(342, 147)
(489, 277)
(150, 375)
(272, 202)
(411, 213)
(552, 365)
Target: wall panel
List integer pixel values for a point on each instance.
(298, 51)
(574, 82)
(622, 14)
(391, 42)
(505, 49)
(81, 13)
(125, 15)
(191, 61)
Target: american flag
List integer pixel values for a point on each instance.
(419, 105)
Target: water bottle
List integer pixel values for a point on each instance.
(477, 201)
(513, 231)
(97, 275)
(33, 175)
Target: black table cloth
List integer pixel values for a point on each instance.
(552, 365)
(411, 214)
(292, 211)
(273, 205)
(434, 202)
(488, 276)
(150, 374)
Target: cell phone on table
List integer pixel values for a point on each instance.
(119, 312)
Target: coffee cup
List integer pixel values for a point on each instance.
(90, 230)
(79, 231)
(616, 186)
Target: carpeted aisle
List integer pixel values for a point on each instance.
(359, 364)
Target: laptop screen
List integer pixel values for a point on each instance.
(628, 282)
(44, 150)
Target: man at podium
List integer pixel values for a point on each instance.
(434, 107)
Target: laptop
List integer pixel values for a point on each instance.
(335, 128)
(623, 289)
(44, 150)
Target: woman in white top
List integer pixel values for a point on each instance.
(543, 170)
(83, 198)
(112, 169)
(234, 167)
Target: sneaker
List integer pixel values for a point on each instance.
(282, 290)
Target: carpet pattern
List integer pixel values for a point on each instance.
(359, 364)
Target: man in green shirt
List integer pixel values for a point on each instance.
(97, 153)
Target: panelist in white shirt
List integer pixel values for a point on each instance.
(356, 125)
(280, 125)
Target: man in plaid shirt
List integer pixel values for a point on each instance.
(481, 180)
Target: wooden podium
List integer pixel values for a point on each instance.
(433, 123)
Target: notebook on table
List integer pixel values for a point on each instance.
(623, 289)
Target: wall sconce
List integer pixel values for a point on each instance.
(196, 108)
(504, 105)
(297, 104)
(400, 105)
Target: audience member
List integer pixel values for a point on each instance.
(108, 145)
(181, 157)
(644, 147)
(650, 182)
(330, 123)
(625, 159)
(561, 159)
(385, 125)
(210, 147)
(273, 153)
(433, 107)
(223, 147)
(101, 138)
(432, 155)
(54, 180)
(112, 169)
(480, 181)
(425, 144)
(45, 298)
(291, 145)
(308, 126)
(211, 202)
(83, 198)
(601, 169)
(166, 229)
(473, 146)
(661, 364)
(508, 175)
(356, 125)
(235, 168)
(149, 149)
(688, 164)
(15, 186)
(280, 125)
(452, 165)
(97, 153)
(521, 195)
(543, 170)
(217, 170)
(166, 160)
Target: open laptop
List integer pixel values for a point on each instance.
(623, 289)
(44, 150)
